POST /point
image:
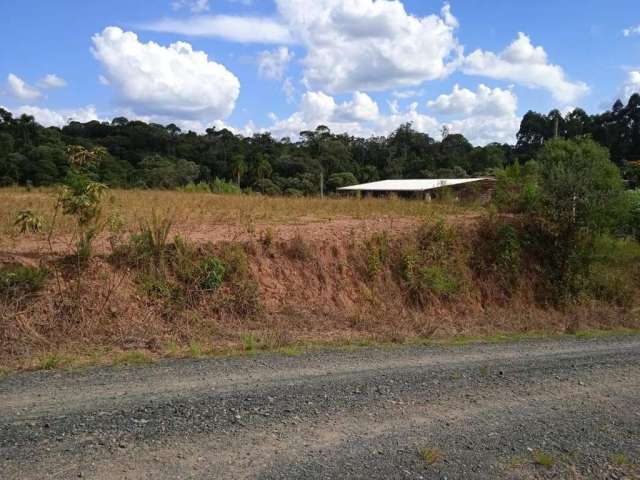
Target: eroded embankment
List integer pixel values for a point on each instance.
(158, 295)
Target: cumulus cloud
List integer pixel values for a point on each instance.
(227, 27)
(628, 32)
(20, 89)
(484, 101)
(485, 115)
(358, 116)
(369, 45)
(51, 80)
(273, 64)
(493, 117)
(195, 6)
(156, 80)
(631, 85)
(525, 64)
(58, 118)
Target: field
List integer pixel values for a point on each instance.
(191, 274)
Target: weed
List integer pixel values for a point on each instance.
(298, 248)
(377, 248)
(195, 350)
(150, 243)
(29, 222)
(620, 459)
(484, 371)
(211, 273)
(517, 461)
(16, 280)
(249, 342)
(50, 362)
(134, 357)
(431, 455)
(266, 237)
(437, 280)
(543, 459)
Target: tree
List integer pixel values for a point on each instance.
(238, 167)
(582, 195)
(339, 180)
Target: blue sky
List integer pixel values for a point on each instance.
(361, 66)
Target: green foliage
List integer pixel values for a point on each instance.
(433, 265)
(498, 253)
(29, 222)
(220, 186)
(377, 250)
(517, 189)
(341, 179)
(633, 222)
(211, 273)
(200, 187)
(582, 196)
(17, 280)
(614, 275)
(150, 243)
(437, 280)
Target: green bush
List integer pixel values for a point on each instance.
(220, 186)
(212, 273)
(200, 187)
(633, 222)
(16, 280)
(436, 279)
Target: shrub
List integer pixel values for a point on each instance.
(434, 263)
(298, 248)
(220, 186)
(211, 273)
(200, 187)
(633, 223)
(436, 279)
(150, 243)
(498, 253)
(16, 280)
(377, 253)
(29, 222)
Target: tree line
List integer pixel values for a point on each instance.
(149, 155)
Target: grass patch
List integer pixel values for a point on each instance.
(49, 362)
(18, 280)
(620, 459)
(542, 458)
(431, 455)
(135, 357)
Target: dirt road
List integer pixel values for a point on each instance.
(538, 409)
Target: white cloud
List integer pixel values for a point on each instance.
(228, 27)
(175, 81)
(369, 45)
(51, 80)
(404, 94)
(20, 89)
(484, 116)
(289, 89)
(631, 85)
(195, 6)
(628, 32)
(484, 101)
(523, 63)
(273, 64)
(493, 117)
(358, 116)
(58, 118)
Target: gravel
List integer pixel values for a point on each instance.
(565, 408)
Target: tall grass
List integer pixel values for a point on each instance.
(197, 208)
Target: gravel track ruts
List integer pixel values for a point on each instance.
(563, 408)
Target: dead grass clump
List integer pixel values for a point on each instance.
(298, 249)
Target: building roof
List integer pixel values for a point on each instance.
(419, 185)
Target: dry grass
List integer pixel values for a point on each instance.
(205, 208)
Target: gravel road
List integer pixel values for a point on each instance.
(565, 408)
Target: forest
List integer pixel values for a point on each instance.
(142, 155)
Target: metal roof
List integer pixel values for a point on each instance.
(419, 185)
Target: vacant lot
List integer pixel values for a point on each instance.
(195, 274)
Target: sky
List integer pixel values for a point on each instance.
(358, 66)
